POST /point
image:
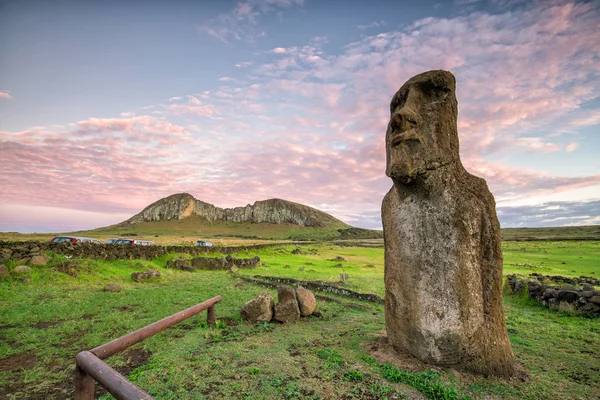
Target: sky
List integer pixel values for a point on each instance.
(108, 106)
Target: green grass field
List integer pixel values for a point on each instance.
(44, 323)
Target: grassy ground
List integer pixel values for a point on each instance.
(568, 258)
(45, 322)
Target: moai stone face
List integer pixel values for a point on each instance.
(422, 132)
(443, 261)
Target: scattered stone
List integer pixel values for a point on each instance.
(338, 258)
(595, 300)
(441, 235)
(4, 272)
(587, 287)
(39, 261)
(286, 309)
(234, 269)
(145, 275)
(259, 309)
(317, 314)
(343, 277)
(370, 266)
(301, 269)
(21, 270)
(112, 287)
(306, 301)
(554, 297)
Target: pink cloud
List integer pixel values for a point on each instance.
(5, 94)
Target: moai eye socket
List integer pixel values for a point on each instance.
(434, 89)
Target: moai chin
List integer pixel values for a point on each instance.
(443, 261)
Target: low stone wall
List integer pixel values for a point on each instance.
(215, 263)
(565, 297)
(322, 287)
(22, 252)
(582, 280)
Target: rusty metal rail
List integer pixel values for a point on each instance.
(89, 366)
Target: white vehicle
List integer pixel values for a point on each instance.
(204, 243)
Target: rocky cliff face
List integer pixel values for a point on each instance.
(274, 211)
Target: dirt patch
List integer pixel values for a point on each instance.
(45, 324)
(134, 357)
(383, 351)
(87, 317)
(18, 362)
(126, 308)
(70, 268)
(228, 321)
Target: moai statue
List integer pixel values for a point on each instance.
(443, 261)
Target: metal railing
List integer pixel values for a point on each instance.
(90, 368)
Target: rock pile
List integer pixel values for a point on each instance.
(293, 303)
(25, 253)
(215, 263)
(145, 275)
(582, 280)
(566, 297)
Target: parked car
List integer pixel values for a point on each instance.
(204, 243)
(73, 239)
(135, 242)
(111, 241)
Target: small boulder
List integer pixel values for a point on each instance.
(234, 269)
(21, 270)
(567, 295)
(40, 260)
(587, 287)
(306, 301)
(112, 287)
(145, 275)
(259, 309)
(4, 272)
(286, 310)
(595, 300)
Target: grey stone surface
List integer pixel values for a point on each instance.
(4, 272)
(286, 309)
(259, 309)
(443, 261)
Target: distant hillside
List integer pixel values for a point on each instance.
(589, 232)
(274, 219)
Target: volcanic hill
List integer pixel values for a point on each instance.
(269, 219)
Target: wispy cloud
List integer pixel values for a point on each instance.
(243, 22)
(374, 24)
(5, 94)
(551, 214)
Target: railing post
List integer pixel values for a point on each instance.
(84, 385)
(210, 316)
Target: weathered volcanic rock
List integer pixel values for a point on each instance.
(21, 270)
(259, 309)
(443, 261)
(4, 272)
(306, 301)
(112, 287)
(145, 275)
(39, 260)
(286, 309)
